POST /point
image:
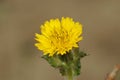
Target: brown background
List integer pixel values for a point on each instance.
(20, 20)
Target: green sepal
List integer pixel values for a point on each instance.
(77, 56)
(53, 60)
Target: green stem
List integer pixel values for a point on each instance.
(69, 74)
(69, 70)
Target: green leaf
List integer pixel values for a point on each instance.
(68, 64)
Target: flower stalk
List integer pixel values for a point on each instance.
(69, 64)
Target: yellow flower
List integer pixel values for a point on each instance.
(58, 36)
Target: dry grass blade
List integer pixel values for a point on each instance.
(112, 75)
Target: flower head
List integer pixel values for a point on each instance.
(58, 36)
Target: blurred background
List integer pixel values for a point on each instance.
(20, 20)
